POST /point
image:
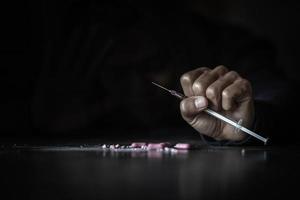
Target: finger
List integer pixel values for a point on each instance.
(207, 78)
(236, 93)
(220, 70)
(214, 91)
(192, 106)
(188, 79)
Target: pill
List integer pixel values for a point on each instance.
(182, 146)
(138, 144)
(152, 146)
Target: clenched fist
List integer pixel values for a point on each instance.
(221, 90)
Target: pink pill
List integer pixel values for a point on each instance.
(138, 144)
(182, 146)
(156, 146)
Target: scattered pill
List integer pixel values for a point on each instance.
(164, 147)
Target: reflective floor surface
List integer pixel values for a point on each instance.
(88, 172)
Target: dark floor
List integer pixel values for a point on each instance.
(87, 172)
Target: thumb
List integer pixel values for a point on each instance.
(192, 106)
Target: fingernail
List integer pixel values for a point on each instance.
(200, 102)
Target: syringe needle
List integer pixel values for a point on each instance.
(217, 115)
(172, 92)
(160, 86)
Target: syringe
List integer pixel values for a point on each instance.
(217, 115)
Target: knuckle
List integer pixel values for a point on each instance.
(222, 68)
(204, 69)
(226, 94)
(246, 82)
(243, 83)
(186, 78)
(197, 87)
(211, 92)
(233, 74)
(212, 75)
(246, 86)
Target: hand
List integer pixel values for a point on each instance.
(221, 90)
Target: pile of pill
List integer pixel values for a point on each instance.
(142, 146)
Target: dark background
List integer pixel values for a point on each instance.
(24, 25)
